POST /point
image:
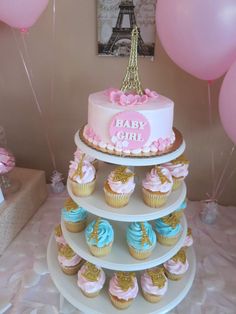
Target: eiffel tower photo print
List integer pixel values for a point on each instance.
(116, 20)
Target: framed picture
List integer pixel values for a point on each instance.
(115, 21)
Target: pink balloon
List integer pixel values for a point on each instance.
(21, 13)
(227, 103)
(199, 35)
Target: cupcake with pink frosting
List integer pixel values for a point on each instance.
(157, 186)
(91, 280)
(69, 261)
(82, 176)
(58, 235)
(188, 240)
(178, 169)
(78, 154)
(154, 284)
(123, 289)
(119, 187)
(177, 266)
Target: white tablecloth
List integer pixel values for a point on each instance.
(26, 286)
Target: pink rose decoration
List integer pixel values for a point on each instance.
(89, 132)
(128, 100)
(143, 99)
(108, 91)
(151, 94)
(115, 96)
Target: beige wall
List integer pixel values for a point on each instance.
(79, 71)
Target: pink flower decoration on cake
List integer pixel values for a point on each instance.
(161, 144)
(115, 96)
(119, 144)
(142, 99)
(108, 91)
(151, 94)
(89, 132)
(128, 100)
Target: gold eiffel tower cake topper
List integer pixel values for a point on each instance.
(131, 80)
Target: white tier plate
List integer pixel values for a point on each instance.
(136, 210)
(67, 286)
(119, 258)
(128, 161)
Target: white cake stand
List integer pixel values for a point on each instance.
(119, 258)
(101, 305)
(136, 210)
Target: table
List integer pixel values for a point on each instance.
(26, 286)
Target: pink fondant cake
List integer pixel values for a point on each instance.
(129, 124)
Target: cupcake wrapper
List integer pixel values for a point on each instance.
(116, 200)
(140, 254)
(73, 270)
(173, 277)
(177, 182)
(97, 251)
(120, 303)
(151, 297)
(83, 189)
(167, 240)
(154, 199)
(179, 213)
(91, 295)
(59, 246)
(75, 226)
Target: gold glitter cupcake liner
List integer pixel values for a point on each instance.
(140, 254)
(103, 251)
(151, 297)
(83, 189)
(75, 226)
(120, 303)
(154, 199)
(167, 240)
(116, 200)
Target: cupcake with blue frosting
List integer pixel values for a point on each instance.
(141, 239)
(180, 211)
(74, 216)
(99, 236)
(168, 229)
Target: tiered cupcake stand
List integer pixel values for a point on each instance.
(119, 258)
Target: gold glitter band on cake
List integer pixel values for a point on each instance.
(177, 143)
